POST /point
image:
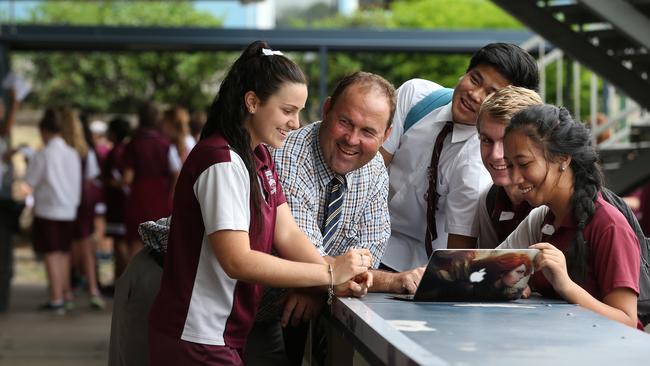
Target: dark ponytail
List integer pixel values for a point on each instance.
(257, 72)
(555, 131)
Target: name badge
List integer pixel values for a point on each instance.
(271, 181)
(506, 215)
(548, 229)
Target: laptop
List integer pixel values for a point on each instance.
(477, 275)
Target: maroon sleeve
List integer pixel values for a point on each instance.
(616, 256)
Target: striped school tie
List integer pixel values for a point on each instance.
(333, 211)
(432, 195)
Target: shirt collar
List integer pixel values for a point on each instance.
(461, 132)
(56, 140)
(569, 221)
(260, 156)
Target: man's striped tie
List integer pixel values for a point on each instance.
(333, 212)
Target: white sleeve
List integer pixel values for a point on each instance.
(408, 95)
(223, 192)
(35, 169)
(174, 158)
(528, 232)
(92, 166)
(487, 236)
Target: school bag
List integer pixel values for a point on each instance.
(434, 100)
(643, 302)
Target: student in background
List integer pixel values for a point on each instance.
(196, 124)
(150, 170)
(83, 247)
(54, 176)
(590, 255)
(119, 131)
(9, 209)
(176, 126)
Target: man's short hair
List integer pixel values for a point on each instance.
(367, 80)
(511, 61)
(504, 103)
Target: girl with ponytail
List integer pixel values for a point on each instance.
(229, 210)
(589, 254)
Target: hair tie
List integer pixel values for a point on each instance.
(270, 52)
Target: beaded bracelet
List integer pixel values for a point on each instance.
(330, 290)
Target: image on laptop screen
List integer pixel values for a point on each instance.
(476, 275)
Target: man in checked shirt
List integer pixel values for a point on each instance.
(356, 122)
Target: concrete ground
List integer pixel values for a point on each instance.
(30, 337)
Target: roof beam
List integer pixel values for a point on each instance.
(106, 38)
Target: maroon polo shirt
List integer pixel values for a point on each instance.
(183, 281)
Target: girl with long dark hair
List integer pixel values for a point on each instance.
(589, 253)
(229, 210)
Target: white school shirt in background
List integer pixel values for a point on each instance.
(461, 177)
(55, 175)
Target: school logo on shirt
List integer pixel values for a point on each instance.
(271, 181)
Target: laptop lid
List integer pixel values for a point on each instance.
(476, 275)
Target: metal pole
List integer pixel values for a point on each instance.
(576, 90)
(322, 85)
(559, 82)
(593, 107)
(541, 49)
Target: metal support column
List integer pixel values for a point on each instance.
(322, 83)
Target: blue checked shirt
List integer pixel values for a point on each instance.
(304, 176)
(365, 222)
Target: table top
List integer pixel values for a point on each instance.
(535, 331)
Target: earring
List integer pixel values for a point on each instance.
(562, 168)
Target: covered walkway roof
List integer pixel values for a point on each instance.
(114, 38)
(19, 37)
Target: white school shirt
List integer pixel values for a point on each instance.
(461, 177)
(55, 175)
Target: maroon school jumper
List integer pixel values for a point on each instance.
(150, 195)
(181, 282)
(505, 217)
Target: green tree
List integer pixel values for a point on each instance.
(103, 81)
(404, 14)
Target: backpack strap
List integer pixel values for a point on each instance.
(434, 100)
(643, 301)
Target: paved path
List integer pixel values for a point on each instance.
(29, 337)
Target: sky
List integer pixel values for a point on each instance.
(233, 13)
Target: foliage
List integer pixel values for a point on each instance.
(414, 14)
(103, 81)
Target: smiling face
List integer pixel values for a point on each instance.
(472, 89)
(491, 137)
(354, 128)
(511, 278)
(269, 122)
(536, 177)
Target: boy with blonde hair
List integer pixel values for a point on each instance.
(501, 206)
